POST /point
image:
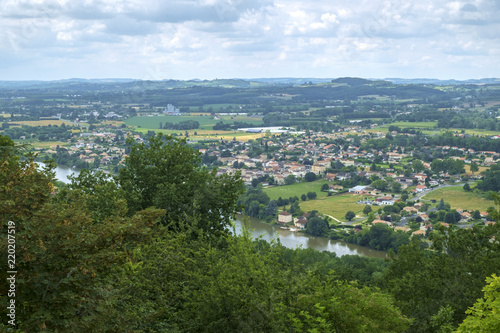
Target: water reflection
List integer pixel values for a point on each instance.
(293, 239)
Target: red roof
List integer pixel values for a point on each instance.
(285, 213)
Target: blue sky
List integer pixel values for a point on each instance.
(207, 39)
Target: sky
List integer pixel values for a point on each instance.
(208, 39)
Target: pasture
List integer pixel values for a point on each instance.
(458, 198)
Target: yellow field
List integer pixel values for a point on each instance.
(41, 122)
(113, 122)
(207, 134)
(4, 115)
(481, 169)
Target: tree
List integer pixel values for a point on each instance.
(441, 205)
(310, 177)
(380, 184)
(290, 179)
(450, 218)
(165, 172)
(474, 167)
(367, 210)
(476, 215)
(466, 187)
(316, 226)
(303, 197)
(417, 166)
(325, 187)
(483, 315)
(396, 187)
(311, 195)
(350, 215)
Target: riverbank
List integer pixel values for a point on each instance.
(293, 239)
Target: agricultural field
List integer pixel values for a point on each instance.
(336, 206)
(458, 198)
(41, 144)
(41, 123)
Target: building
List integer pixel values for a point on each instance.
(284, 218)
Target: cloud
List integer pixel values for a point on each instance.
(240, 38)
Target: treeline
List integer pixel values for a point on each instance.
(183, 125)
(42, 133)
(221, 126)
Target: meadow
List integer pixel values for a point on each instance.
(336, 205)
(458, 198)
(41, 123)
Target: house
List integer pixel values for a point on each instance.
(330, 176)
(378, 221)
(360, 189)
(410, 209)
(420, 188)
(384, 201)
(336, 188)
(418, 233)
(300, 222)
(403, 229)
(284, 218)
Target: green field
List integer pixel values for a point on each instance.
(297, 189)
(407, 124)
(458, 198)
(205, 122)
(336, 206)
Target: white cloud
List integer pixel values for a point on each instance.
(249, 38)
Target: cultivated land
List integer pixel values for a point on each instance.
(40, 123)
(458, 198)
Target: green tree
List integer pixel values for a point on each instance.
(290, 179)
(474, 167)
(303, 197)
(350, 215)
(367, 210)
(165, 172)
(325, 187)
(396, 187)
(466, 187)
(311, 195)
(310, 177)
(380, 184)
(483, 315)
(316, 226)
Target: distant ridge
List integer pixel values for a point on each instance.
(443, 82)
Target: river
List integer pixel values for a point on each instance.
(290, 239)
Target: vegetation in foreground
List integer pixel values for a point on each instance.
(92, 257)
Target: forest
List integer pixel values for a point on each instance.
(153, 249)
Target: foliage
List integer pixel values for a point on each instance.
(317, 226)
(165, 173)
(483, 315)
(350, 215)
(379, 237)
(453, 274)
(310, 176)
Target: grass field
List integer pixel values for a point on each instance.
(41, 144)
(336, 206)
(296, 189)
(207, 134)
(458, 198)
